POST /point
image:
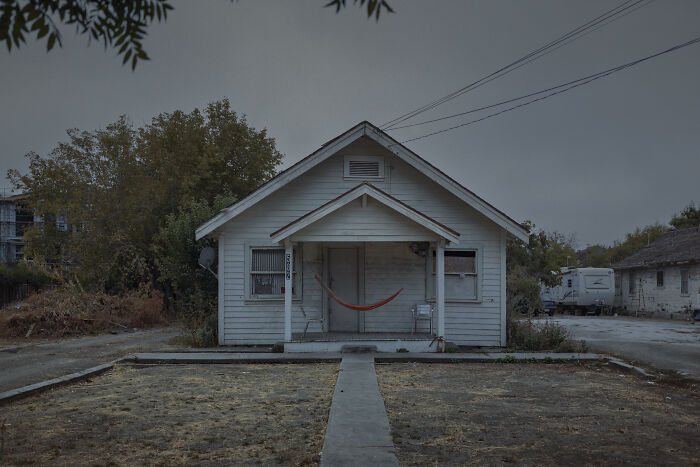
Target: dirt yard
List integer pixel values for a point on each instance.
(175, 415)
(537, 414)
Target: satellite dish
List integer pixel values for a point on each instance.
(207, 257)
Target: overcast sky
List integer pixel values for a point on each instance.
(596, 162)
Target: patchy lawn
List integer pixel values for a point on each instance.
(489, 414)
(176, 415)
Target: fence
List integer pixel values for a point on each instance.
(11, 294)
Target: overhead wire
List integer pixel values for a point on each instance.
(460, 114)
(609, 16)
(576, 83)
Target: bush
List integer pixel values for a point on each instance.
(22, 273)
(529, 335)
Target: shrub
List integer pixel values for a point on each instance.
(529, 335)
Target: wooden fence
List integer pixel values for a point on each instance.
(12, 294)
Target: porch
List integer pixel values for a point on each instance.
(377, 341)
(367, 259)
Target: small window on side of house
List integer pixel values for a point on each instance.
(659, 278)
(684, 281)
(632, 284)
(569, 283)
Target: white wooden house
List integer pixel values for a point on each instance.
(662, 279)
(368, 217)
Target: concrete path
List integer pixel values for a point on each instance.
(667, 344)
(23, 363)
(358, 431)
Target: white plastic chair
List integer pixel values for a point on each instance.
(310, 320)
(422, 311)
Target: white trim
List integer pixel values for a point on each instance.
(503, 289)
(354, 194)
(281, 180)
(363, 129)
(222, 289)
(440, 285)
(288, 287)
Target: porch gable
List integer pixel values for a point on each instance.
(365, 213)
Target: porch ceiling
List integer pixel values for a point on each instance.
(365, 213)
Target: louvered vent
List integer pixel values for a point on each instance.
(364, 167)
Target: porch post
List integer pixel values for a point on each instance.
(288, 268)
(440, 285)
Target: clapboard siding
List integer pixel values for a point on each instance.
(388, 266)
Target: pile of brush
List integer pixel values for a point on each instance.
(69, 310)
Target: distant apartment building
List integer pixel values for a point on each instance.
(15, 218)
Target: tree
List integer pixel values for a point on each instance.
(688, 217)
(535, 263)
(119, 25)
(115, 186)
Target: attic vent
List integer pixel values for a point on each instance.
(364, 167)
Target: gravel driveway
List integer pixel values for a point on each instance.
(667, 344)
(24, 362)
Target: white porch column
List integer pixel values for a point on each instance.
(440, 285)
(288, 268)
(221, 279)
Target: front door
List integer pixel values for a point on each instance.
(343, 280)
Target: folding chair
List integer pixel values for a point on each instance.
(422, 311)
(310, 320)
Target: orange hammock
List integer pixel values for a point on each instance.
(350, 305)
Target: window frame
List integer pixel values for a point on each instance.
(687, 282)
(660, 278)
(632, 286)
(478, 267)
(297, 275)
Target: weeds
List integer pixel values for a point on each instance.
(529, 335)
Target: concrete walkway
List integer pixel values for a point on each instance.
(358, 431)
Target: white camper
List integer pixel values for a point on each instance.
(584, 289)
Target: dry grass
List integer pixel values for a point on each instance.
(536, 414)
(177, 415)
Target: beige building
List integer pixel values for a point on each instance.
(662, 279)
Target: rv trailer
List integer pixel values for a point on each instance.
(590, 290)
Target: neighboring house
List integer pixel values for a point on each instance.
(369, 217)
(662, 278)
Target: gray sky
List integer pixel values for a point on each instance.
(595, 162)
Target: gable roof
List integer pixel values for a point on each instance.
(675, 247)
(331, 147)
(375, 193)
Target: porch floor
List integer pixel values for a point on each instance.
(335, 336)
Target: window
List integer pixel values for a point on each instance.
(363, 167)
(659, 278)
(266, 273)
(461, 275)
(632, 285)
(684, 281)
(568, 283)
(618, 284)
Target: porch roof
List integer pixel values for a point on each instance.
(384, 199)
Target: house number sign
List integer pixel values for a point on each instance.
(287, 266)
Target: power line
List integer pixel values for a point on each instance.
(570, 84)
(609, 16)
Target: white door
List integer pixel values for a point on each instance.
(343, 280)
